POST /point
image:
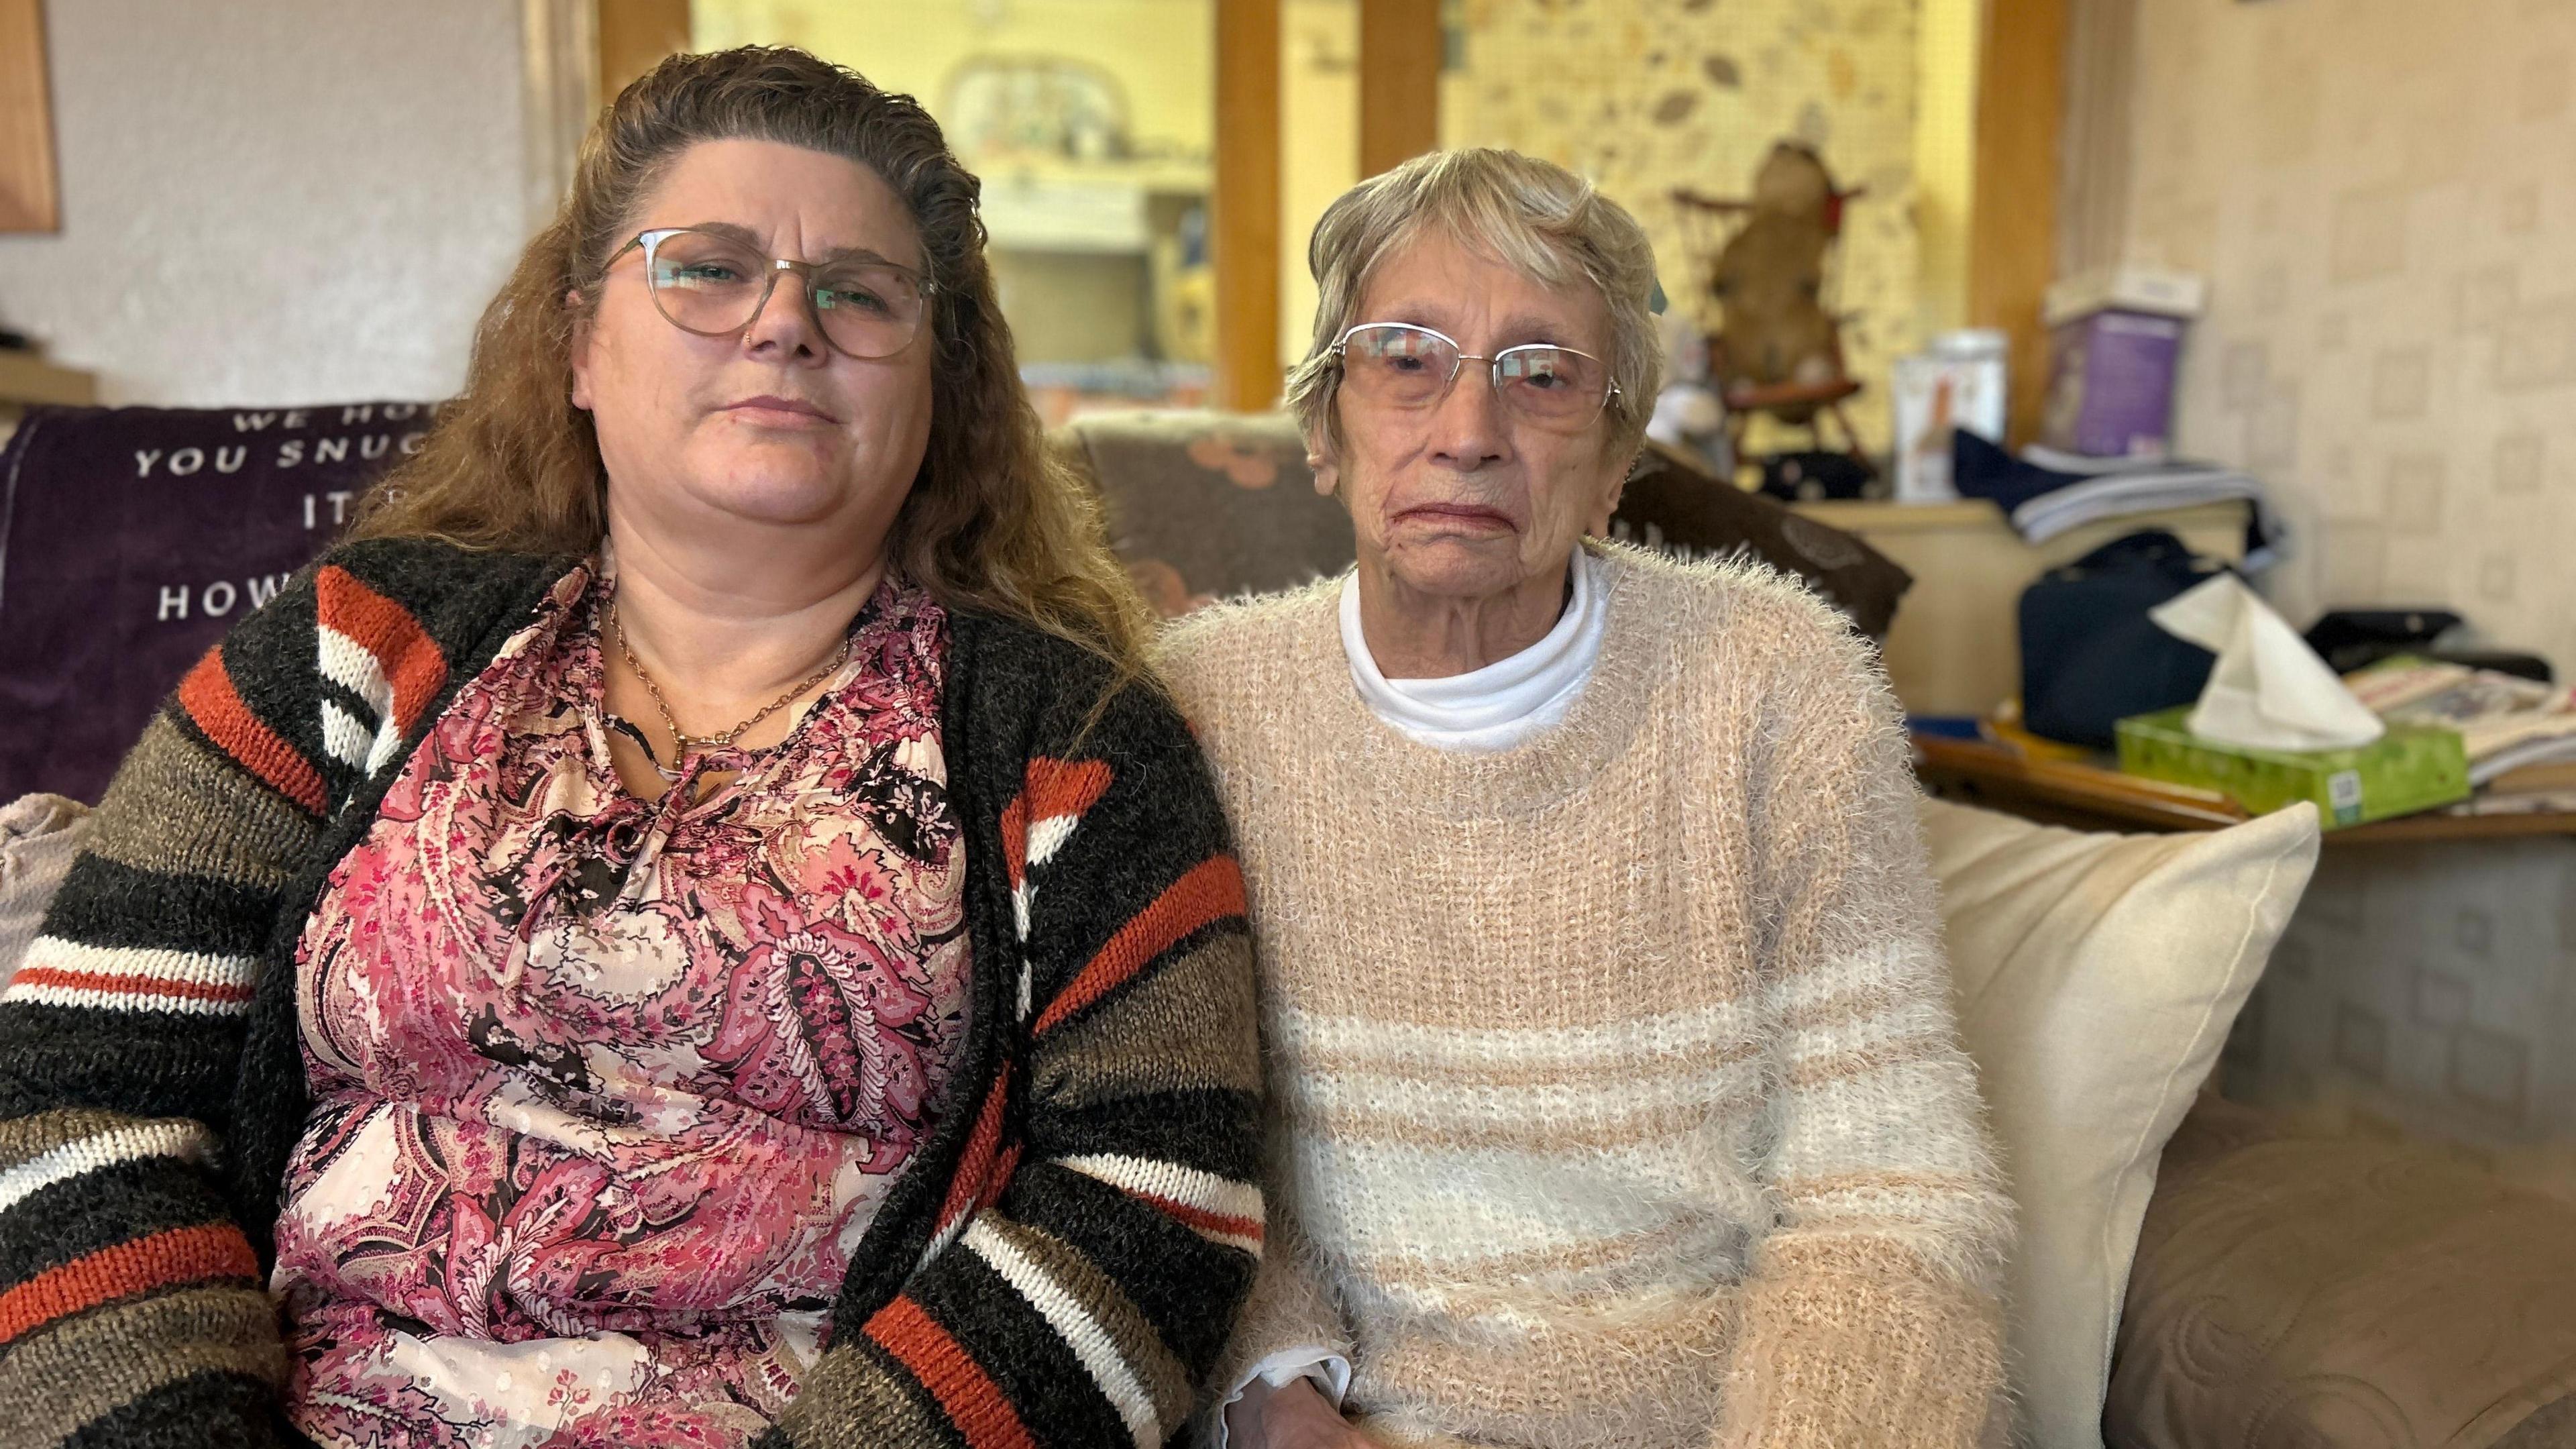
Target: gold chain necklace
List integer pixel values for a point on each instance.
(683, 745)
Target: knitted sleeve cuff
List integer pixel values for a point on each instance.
(1328, 1371)
(1289, 1316)
(1849, 1340)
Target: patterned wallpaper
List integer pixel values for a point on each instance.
(1643, 96)
(2380, 196)
(2428, 992)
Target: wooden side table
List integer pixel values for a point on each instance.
(2087, 797)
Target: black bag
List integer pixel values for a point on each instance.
(2091, 657)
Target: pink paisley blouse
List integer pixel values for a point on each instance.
(605, 1091)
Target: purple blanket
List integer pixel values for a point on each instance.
(131, 538)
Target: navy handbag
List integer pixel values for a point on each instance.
(2091, 657)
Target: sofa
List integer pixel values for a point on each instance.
(2192, 1273)
(1202, 505)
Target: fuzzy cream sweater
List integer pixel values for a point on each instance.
(1617, 1094)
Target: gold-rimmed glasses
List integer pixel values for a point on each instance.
(708, 281)
(1407, 366)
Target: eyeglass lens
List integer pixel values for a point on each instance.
(712, 285)
(1408, 367)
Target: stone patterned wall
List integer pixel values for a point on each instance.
(2379, 194)
(1643, 96)
(2429, 992)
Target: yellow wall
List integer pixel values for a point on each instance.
(1319, 142)
(1945, 155)
(1066, 305)
(1163, 50)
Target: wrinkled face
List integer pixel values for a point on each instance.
(1466, 497)
(770, 424)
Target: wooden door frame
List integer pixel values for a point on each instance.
(1244, 219)
(1400, 49)
(634, 36)
(30, 196)
(1400, 53)
(2012, 220)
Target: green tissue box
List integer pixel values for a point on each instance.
(2410, 768)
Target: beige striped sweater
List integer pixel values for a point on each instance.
(1619, 1096)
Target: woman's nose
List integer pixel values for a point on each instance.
(1470, 428)
(785, 326)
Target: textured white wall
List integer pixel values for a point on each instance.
(285, 201)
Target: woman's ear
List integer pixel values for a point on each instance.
(580, 353)
(1324, 461)
(1599, 523)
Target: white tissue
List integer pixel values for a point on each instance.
(2269, 690)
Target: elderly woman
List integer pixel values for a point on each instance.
(1603, 995)
(690, 929)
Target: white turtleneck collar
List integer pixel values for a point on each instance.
(1507, 701)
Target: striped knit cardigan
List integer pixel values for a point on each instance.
(1060, 1266)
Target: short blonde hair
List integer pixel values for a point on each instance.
(1532, 215)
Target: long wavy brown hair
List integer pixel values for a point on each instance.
(993, 521)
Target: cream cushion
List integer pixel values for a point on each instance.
(39, 835)
(2097, 978)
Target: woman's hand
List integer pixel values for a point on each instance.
(1290, 1417)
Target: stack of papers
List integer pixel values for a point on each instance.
(2046, 492)
(2508, 724)
(2118, 487)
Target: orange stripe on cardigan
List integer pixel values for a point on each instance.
(1212, 891)
(207, 694)
(181, 1255)
(983, 1167)
(128, 984)
(1052, 789)
(412, 664)
(1005, 1167)
(1200, 1220)
(966, 1394)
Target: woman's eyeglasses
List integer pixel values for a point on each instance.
(1400, 365)
(715, 285)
